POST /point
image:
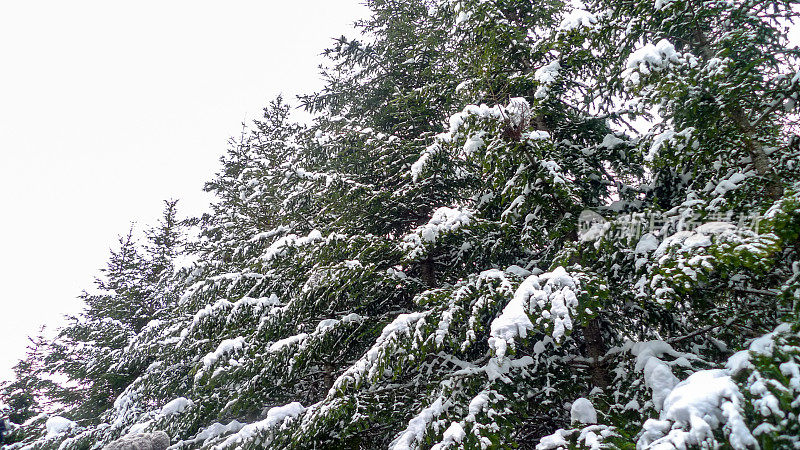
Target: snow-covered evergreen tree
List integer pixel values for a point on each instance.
(409, 270)
(26, 395)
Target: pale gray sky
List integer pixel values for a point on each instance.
(108, 107)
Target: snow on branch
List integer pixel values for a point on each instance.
(444, 220)
(553, 295)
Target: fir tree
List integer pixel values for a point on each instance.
(407, 271)
(26, 395)
(134, 290)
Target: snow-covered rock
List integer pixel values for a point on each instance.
(143, 441)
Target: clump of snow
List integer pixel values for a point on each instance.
(582, 411)
(589, 437)
(546, 75)
(518, 271)
(554, 169)
(659, 378)
(482, 112)
(706, 401)
(688, 240)
(532, 136)
(647, 243)
(765, 402)
(271, 233)
(552, 294)
(176, 406)
(224, 309)
(400, 325)
(478, 404)
(765, 345)
(553, 441)
(210, 432)
(417, 426)
(716, 228)
(124, 405)
(738, 362)
(663, 4)
(591, 225)
(611, 141)
(578, 18)
(255, 305)
(57, 425)
(210, 310)
(518, 112)
(278, 414)
(366, 365)
(700, 237)
(452, 436)
(729, 184)
(595, 231)
(650, 58)
(275, 416)
(658, 375)
(658, 141)
(696, 240)
(139, 428)
(444, 220)
(419, 164)
(352, 317)
(218, 429)
(279, 247)
(474, 144)
(326, 324)
(632, 405)
(463, 16)
(513, 322)
(291, 340)
(224, 347)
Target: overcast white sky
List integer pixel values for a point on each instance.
(108, 107)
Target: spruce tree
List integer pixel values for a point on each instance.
(408, 271)
(26, 394)
(134, 290)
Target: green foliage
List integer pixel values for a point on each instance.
(406, 270)
(771, 385)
